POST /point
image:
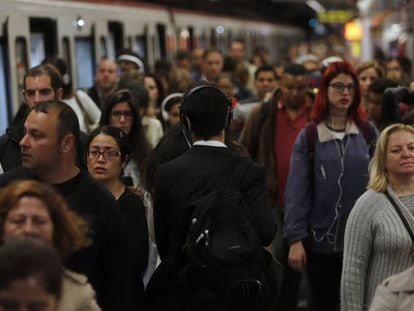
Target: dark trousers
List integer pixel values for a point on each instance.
(288, 298)
(324, 273)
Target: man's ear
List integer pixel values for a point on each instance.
(67, 143)
(59, 93)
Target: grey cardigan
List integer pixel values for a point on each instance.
(376, 246)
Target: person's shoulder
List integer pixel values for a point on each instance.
(18, 173)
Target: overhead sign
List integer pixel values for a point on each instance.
(335, 16)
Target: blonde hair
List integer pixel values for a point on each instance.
(379, 179)
(370, 64)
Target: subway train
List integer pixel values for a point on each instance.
(81, 32)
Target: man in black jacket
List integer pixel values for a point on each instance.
(40, 83)
(48, 149)
(205, 113)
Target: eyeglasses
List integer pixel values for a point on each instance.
(126, 114)
(108, 154)
(340, 87)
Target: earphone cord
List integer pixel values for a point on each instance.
(341, 153)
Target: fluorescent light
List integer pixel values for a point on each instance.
(316, 6)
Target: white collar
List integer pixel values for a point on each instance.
(211, 143)
(325, 134)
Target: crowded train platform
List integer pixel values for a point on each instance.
(217, 155)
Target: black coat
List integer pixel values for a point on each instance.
(186, 178)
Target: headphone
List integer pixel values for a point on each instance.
(183, 114)
(177, 96)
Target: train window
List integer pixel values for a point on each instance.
(140, 46)
(37, 49)
(191, 42)
(4, 108)
(84, 61)
(213, 38)
(103, 51)
(21, 64)
(161, 31)
(66, 51)
(43, 34)
(116, 34)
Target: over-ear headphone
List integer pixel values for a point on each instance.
(183, 115)
(177, 96)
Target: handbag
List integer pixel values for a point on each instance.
(400, 214)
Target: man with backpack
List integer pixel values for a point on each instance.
(211, 219)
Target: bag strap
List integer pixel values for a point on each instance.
(400, 214)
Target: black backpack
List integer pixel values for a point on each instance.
(225, 265)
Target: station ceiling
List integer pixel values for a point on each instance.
(293, 12)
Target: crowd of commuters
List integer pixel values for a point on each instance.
(107, 176)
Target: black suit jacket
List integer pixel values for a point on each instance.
(188, 177)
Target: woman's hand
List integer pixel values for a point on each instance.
(297, 256)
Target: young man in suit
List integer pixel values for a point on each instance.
(205, 113)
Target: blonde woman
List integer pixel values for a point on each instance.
(377, 244)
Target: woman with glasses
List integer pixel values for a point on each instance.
(121, 111)
(328, 172)
(108, 154)
(377, 242)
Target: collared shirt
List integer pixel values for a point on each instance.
(211, 143)
(286, 132)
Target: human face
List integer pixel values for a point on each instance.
(374, 106)
(29, 217)
(27, 295)
(39, 89)
(394, 70)
(122, 117)
(174, 114)
(152, 89)
(197, 59)
(106, 76)
(399, 161)
(294, 91)
(265, 82)
(100, 168)
(40, 146)
(213, 64)
(127, 66)
(237, 51)
(366, 78)
(341, 100)
(226, 85)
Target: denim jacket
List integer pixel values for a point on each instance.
(321, 191)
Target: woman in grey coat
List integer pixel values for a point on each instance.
(377, 244)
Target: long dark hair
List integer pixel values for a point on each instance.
(140, 147)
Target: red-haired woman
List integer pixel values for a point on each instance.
(329, 171)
